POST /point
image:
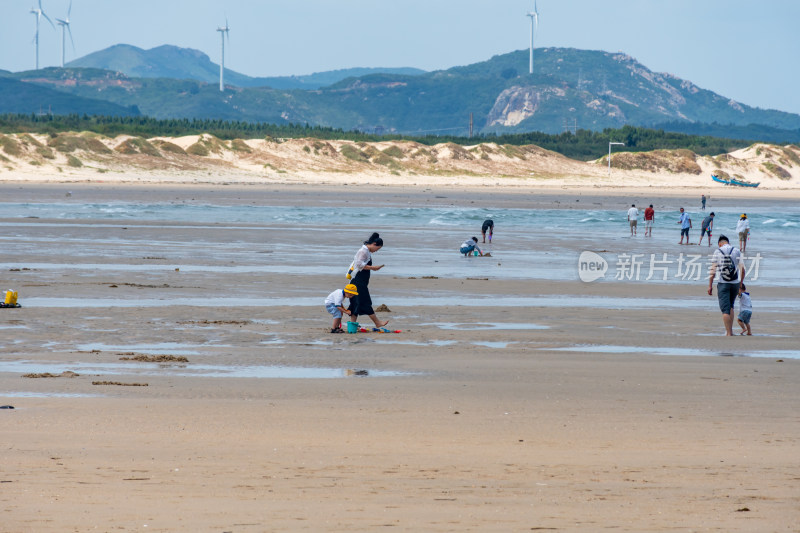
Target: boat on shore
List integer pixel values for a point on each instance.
(742, 183)
(734, 181)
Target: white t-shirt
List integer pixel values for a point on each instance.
(744, 302)
(337, 298)
(742, 225)
(718, 258)
(633, 213)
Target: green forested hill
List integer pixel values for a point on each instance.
(187, 64)
(19, 97)
(582, 89)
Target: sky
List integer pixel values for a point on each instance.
(745, 50)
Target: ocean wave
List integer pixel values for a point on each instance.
(789, 224)
(770, 221)
(441, 221)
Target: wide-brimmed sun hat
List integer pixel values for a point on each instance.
(351, 289)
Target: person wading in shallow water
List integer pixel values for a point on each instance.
(686, 224)
(360, 271)
(633, 218)
(706, 227)
(649, 218)
(488, 225)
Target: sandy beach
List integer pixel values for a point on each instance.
(509, 402)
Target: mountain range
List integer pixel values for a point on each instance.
(169, 61)
(570, 88)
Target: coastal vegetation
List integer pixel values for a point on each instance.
(584, 145)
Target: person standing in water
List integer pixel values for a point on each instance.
(488, 225)
(686, 224)
(703, 202)
(743, 229)
(649, 218)
(705, 227)
(633, 218)
(359, 274)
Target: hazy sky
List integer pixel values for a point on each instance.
(745, 50)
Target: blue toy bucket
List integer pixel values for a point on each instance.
(352, 327)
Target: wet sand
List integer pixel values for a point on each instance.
(487, 417)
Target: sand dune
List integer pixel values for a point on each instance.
(207, 159)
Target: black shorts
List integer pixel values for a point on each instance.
(486, 225)
(685, 231)
(726, 295)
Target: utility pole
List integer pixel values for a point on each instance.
(609, 155)
(470, 125)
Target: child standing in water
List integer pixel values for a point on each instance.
(745, 310)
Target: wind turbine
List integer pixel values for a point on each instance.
(223, 33)
(534, 15)
(39, 12)
(64, 23)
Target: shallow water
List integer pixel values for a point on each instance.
(517, 251)
(194, 370)
(160, 348)
(592, 348)
(492, 344)
(384, 340)
(47, 395)
(395, 216)
(450, 301)
(481, 326)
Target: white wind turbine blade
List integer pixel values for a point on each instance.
(43, 14)
(71, 40)
(69, 10)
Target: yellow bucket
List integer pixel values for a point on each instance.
(11, 297)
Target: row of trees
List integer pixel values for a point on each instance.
(583, 144)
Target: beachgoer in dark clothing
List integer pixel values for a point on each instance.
(706, 227)
(362, 267)
(488, 225)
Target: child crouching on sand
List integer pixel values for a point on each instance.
(469, 245)
(337, 303)
(745, 310)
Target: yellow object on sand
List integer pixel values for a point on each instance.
(11, 297)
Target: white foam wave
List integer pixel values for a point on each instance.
(438, 221)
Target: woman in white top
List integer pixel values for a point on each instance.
(360, 272)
